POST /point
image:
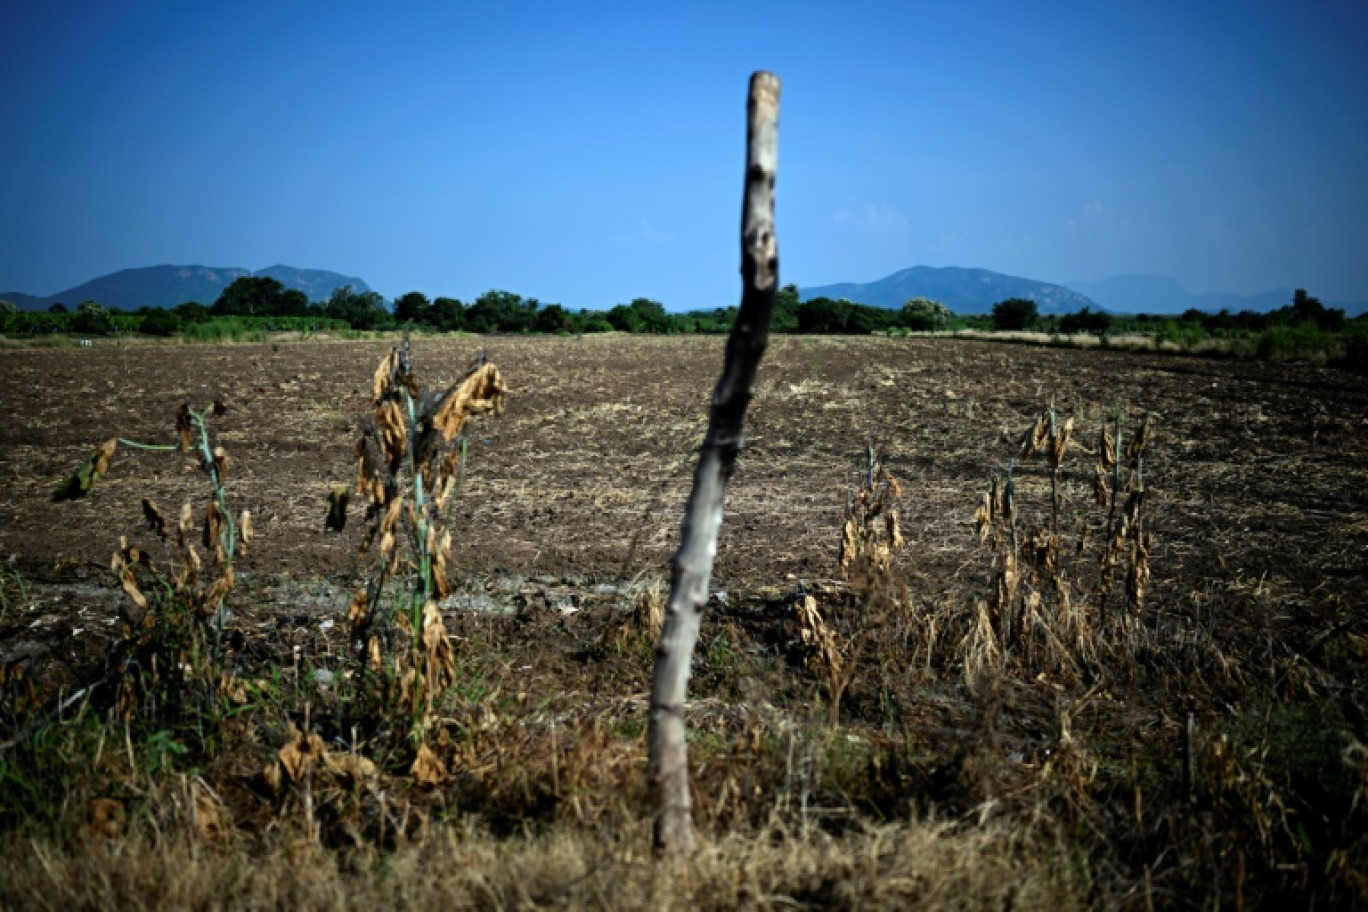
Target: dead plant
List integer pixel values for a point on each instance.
(171, 656)
(411, 458)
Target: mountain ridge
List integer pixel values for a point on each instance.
(974, 290)
(168, 285)
(963, 289)
(1159, 294)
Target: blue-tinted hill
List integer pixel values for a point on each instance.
(169, 286)
(966, 291)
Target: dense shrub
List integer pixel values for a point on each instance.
(1015, 314)
(925, 315)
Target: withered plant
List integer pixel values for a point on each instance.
(171, 660)
(872, 532)
(1044, 605)
(876, 606)
(411, 457)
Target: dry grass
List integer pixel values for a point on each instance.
(905, 866)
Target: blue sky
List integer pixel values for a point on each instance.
(592, 153)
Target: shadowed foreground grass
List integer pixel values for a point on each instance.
(933, 866)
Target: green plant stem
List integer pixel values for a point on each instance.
(158, 447)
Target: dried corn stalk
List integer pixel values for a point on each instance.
(821, 645)
(872, 532)
(408, 463)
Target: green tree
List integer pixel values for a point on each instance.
(866, 319)
(447, 314)
(413, 307)
(1086, 320)
(365, 310)
(593, 321)
(58, 308)
(191, 312)
(823, 315)
(292, 303)
(552, 318)
(641, 316)
(501, 311)
(1015, 314)
(159, 322)
(91, 319)
(8, 307)
(258, 296)
(786, 301)
(1309, 309)
(924, 315)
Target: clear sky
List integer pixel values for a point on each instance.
(589, 153)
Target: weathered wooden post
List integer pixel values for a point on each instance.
(693, 562)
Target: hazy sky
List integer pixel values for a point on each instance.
(592, 153)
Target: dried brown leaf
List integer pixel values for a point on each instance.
(428, 768)
(850, 547)
(213, 531)
(481, 393)
(218, 590)
(155, 521)
(336, 519)
(1059, 444)
(220, 463)
(1101, 492)
(301, 754)
(1036, 439)
(1106, 451)
(105, 819)
(392, 423)
(352, 766)
(383, 380)
(184, 427)
(983, 516)
(441, 583)
(893, 527)
(1141, 440)
(79, 484)
(358, 614)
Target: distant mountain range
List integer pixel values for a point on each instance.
(966, 291)
(973, 291)
(170, 286)
(1164, 295)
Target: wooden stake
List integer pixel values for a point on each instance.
(668, 770)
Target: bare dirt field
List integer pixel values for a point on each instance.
(586, 473)
(1253, 622)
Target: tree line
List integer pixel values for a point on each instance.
(263, 304)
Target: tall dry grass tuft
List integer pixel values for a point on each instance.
(933, 865)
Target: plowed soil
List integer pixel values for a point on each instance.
(586, 473)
